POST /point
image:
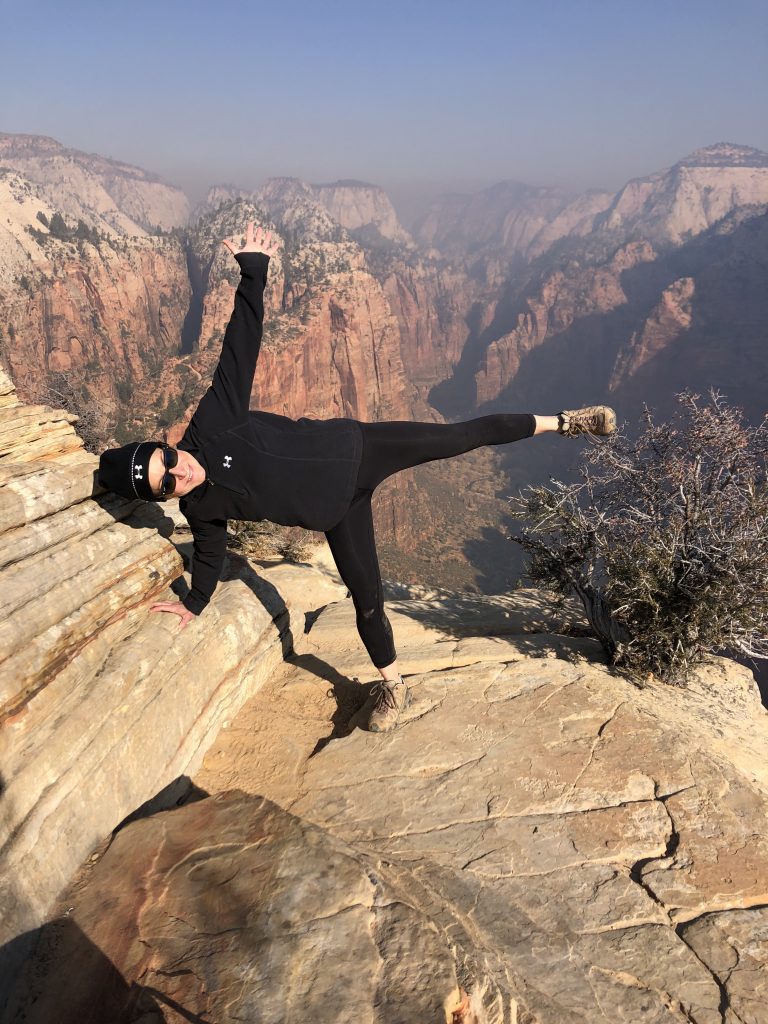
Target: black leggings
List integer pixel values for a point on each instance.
(388, 447)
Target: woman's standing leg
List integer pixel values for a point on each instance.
(353, 547)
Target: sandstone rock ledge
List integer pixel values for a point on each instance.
(538, 843)
(104, 704)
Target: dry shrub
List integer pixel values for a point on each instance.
(264, 540)
(66, 390)
(666, 540)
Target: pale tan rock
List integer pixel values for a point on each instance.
(357, 204)
(103, 703)
(734, 946)
(687, 198)
(259, 924)
(30, 538)
(454, 630)
(119, 196)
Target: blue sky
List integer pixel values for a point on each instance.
(579, 94)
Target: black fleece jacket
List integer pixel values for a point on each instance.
(259, 465)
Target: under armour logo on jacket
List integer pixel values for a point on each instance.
(137, 472)
(227, 461)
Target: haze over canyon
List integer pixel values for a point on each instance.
(514, 298)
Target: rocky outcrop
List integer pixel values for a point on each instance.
(113, 196)
(678, 203)
(103, 704)
(274, 921)
(671, 318)
(358, 204)
(538, 842)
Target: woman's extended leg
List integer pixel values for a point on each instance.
(392, 445)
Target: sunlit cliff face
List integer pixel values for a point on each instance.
(188, 472)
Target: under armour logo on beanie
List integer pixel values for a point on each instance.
(126, 470)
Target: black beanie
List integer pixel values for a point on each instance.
(126, 470)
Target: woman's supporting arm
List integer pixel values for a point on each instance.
(210, 548)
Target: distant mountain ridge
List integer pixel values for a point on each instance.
(110, 195)
(725, 154)
(515, 220)
(518, 296)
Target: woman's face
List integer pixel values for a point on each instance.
(188, 472)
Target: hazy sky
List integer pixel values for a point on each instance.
(582, 93)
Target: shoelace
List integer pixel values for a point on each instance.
(384, 695)
(573, 427)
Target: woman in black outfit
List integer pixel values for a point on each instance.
(238, 463)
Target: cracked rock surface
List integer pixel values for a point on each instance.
(538, 842)
(232, 909)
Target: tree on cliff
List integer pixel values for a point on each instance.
(665, 541)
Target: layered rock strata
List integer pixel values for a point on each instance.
(113, 195)
(538, 842)
(102, 704)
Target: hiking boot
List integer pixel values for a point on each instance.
(389, 699)
(592, 419)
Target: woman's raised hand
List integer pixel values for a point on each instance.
(258, 240)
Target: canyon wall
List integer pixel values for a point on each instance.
(518, 298)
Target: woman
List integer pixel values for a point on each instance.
(234, 463)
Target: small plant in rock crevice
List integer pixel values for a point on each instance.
(665, 540)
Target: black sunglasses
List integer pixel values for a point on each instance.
(170, 459)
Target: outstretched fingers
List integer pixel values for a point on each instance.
(256, 240)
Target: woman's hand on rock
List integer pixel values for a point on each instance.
(256, 240)
(177, 608)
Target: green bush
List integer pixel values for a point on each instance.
(58, 227)
(665, 541)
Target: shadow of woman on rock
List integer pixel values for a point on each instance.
(69, 980)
